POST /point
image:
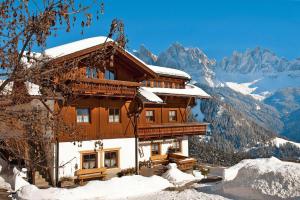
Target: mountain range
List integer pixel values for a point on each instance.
(259, 90)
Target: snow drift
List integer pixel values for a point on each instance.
(265, 178)
(175, 176)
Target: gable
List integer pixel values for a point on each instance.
(85, 48)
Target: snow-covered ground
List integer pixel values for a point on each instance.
(177, 177)
(188, 194)
(115, 188)
(265, 178)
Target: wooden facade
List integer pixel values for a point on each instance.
(97, 94)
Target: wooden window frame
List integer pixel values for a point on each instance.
(114, 115)
(82, 153)
(146, 117)
(159, 148)
(176, 117)
(118, 158)
(180, 145)
(89, 114)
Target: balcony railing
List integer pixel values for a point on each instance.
(103, 87)
(169, 130)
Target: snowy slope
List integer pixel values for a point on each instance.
(246, 89)
(280, 142)
(265, 178)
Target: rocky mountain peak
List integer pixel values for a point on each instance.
(257, 60)
(146, 55)
(192, 60)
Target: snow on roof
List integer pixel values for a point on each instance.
(149, 96)
(72, 47)
(190, 90)
(169, 71)
(32, 88)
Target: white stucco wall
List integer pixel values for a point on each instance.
(145, 148)
(70, 154)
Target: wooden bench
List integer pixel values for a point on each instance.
(183, 163)
(159, 159)
(86, 174)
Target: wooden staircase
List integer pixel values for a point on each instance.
(40, 181)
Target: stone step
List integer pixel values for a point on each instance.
(38, 176)
(37, 181)
(43, 186)
(40, 181)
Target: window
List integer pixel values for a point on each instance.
(176, 146)
(91, 72)
(83, 115)
(172, 115)
(111, 159)
(148, 83)
(167, 85)
(154, 84)
(89, 161)
(155, 149)
(150, 115)
(158, 84)
(110, 75)
(114, 115)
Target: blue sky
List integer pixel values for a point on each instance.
(218, 27)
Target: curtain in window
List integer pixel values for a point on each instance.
(89, 161)
(83, 115)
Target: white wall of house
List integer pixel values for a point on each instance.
(145, 148)
(185, 147)
(69, 154)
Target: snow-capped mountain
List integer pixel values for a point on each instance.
(191, 60)
(144, 54)
(253, 82)
(258, 72)
(257, 60)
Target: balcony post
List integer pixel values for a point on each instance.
(136, 144)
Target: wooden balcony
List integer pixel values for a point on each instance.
(102, 87)
(150, 131)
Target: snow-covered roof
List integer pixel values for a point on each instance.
(190, 90)
(73, 47)
(169, 71)
(148, 96)
(32, 88)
